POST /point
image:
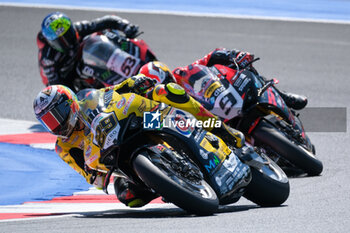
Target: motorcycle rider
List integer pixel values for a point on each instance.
(223, 57)
(59, 42)
(57, 108)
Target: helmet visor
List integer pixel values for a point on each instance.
(57, 119)
(65, 42)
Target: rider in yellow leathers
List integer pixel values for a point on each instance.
(58, 109)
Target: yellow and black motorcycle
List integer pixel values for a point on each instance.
(166, 150)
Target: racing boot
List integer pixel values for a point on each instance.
(229, 135)
(130, 194)
(294, 101)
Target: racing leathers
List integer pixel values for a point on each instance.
(230, 58)
(71, 150)
(60, 68)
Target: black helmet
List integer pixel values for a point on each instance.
(59, 32)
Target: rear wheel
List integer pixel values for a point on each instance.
(265, 134)
(191, 193)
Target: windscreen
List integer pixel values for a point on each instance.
(97, 50)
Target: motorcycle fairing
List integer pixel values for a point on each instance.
(211, 89)
(273, 101)
(110, 58)
(146, 54)
(107, 118)
(225, 171)
(270, 102)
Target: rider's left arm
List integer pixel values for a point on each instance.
(106, 22)
(125, 87)
(225, 57)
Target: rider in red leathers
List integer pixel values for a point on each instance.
(185, 75)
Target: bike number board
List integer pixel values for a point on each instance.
(123, 63)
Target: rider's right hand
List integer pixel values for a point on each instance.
(131, 31)
(241, 58)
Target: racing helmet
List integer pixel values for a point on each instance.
(158, 71)
(56, 108)
(59, 32)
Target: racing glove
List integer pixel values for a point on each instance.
(131, 31)
(241, 58)
(141, 83)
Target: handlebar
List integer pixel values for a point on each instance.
(138, 34)
(238, 69)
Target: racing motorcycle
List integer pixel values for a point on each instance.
(151, 144)
(248, 102)
(109, 58)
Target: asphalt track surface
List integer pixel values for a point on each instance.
(308, 58)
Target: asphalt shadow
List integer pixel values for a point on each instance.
(165, 212)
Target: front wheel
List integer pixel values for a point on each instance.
(192, 193)
(266, 134)
(269, 185)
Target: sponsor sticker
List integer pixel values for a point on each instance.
(121, 103)
(128, 103)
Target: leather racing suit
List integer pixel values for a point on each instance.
(185, 76)
(60, 68)
(71, 150)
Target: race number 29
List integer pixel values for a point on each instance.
(104, 127)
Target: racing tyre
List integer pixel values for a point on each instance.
(269, 185)
(266, 134)
(193, 195)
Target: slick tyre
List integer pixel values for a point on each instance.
(266, 134)
(197, 198)
(266, 190)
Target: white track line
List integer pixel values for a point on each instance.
(12, 127)
(9, 126)
(76, 209)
